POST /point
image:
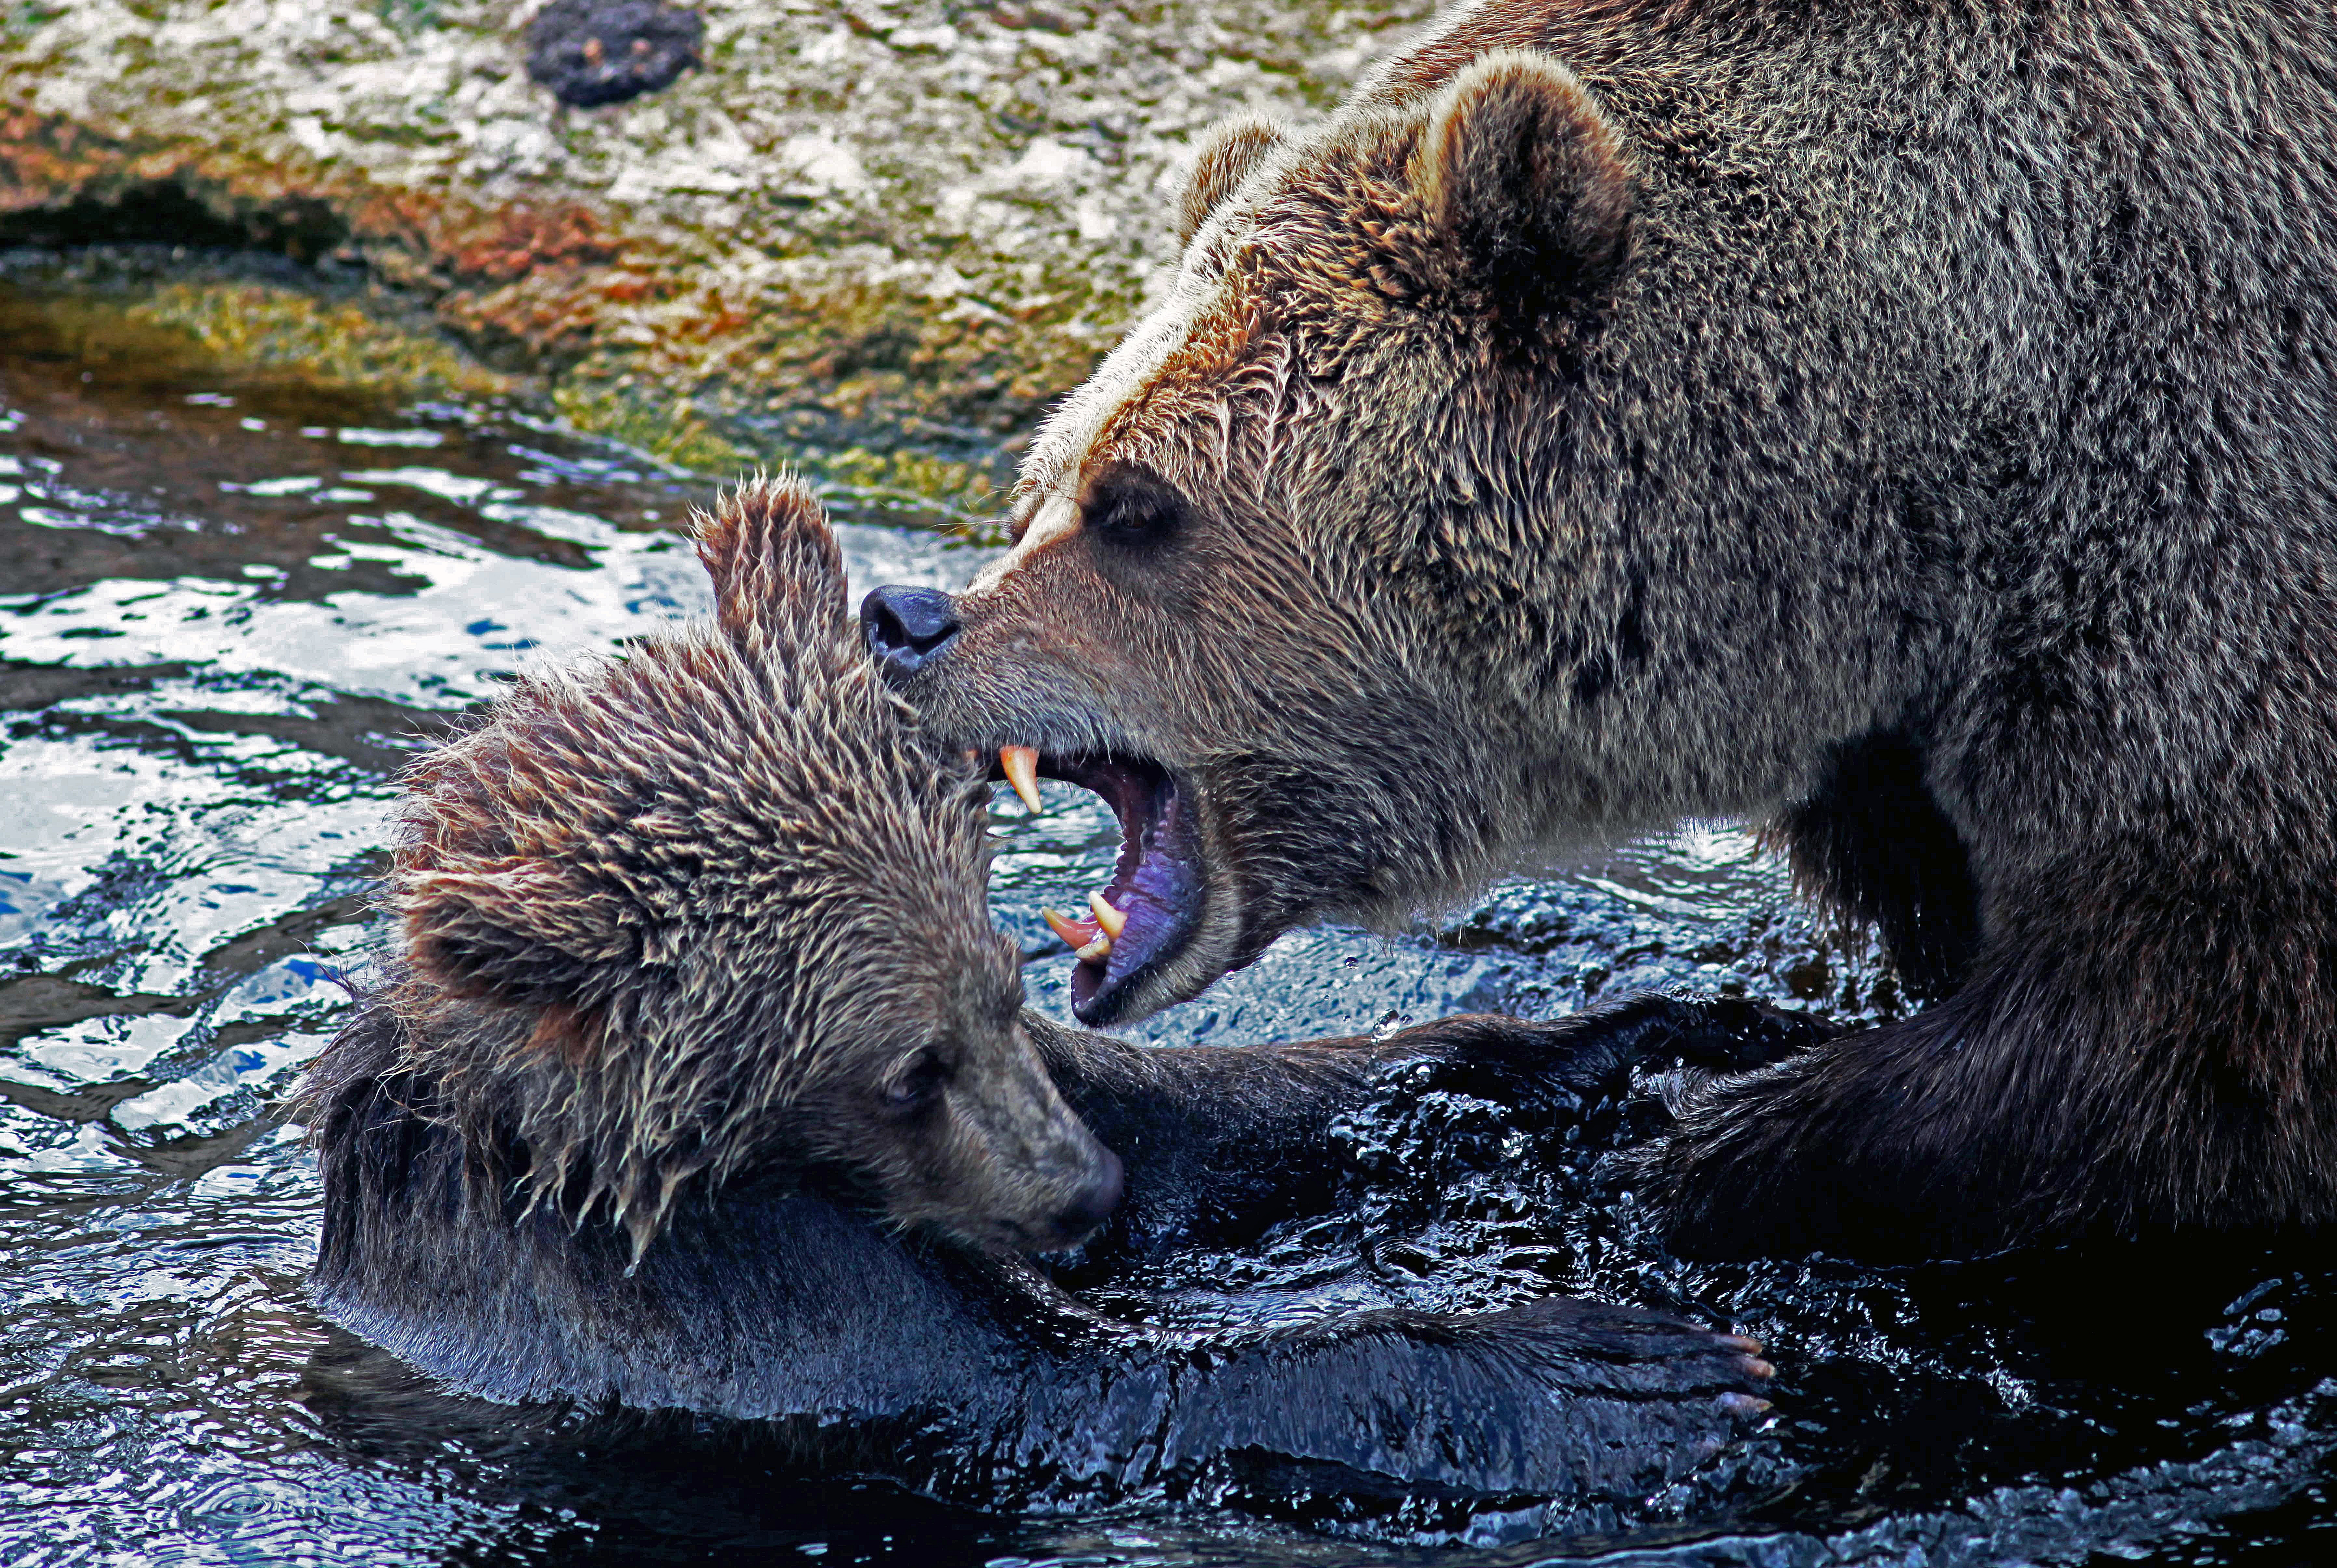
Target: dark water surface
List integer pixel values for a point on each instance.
(228, 609)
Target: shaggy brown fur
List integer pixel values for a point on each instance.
(1906, 422)
(708, 1068)
(707, 907)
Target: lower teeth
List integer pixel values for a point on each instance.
(1085, 937)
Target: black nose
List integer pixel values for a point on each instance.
(906, 626)
(1097, 1200)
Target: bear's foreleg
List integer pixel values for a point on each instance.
(1560, 1397)
(1871, 844)
(1221, 1141)
(1218, 1142)
(2134, 1050)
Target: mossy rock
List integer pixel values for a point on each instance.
(874, 218)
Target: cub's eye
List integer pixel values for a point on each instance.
(916, 1081)
(1131, 507)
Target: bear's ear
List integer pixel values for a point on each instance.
(1520, 176)
(777, 574)
(1230, 151)
(523, 931)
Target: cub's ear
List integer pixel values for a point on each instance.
(777, 573)
(1230, 150)
(1521, 175)
(522, 932)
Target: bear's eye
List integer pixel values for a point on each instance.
(916, 1081)
(1128, 506)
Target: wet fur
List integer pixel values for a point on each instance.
(673, 916)
(614, 1130)
(859, 1345)
(1905, 423)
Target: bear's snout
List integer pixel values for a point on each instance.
(1094, 1203)
(907, 627)
(1065, 1192)
(1000, 1160)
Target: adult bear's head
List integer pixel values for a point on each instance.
(713, 911)
(1277, 559)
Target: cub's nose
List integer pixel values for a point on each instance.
(906, 626)
(1093, 1204)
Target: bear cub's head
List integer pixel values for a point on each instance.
(709, 911)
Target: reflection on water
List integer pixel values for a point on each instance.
(230, 608)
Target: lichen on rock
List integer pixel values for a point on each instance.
(257, 320)
(336, 343)
(853, 226)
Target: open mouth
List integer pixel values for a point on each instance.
(1146, 914)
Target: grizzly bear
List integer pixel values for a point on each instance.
(703, 1086)
(1908, 425)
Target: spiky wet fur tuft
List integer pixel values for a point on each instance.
(667, 888)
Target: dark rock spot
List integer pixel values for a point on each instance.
(167, 212)
(595, 52)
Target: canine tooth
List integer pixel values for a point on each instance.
(1075, 933)
(1110, 919)
(1084, 938)
(1022, 766)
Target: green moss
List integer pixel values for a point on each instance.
(668, 429)
(408, 15)
(964, 493)
(904, 485)
(250, 326)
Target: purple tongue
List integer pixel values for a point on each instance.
(1158, 886)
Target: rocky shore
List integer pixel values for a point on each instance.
(895, 229)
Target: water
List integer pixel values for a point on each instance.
(230, 608)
